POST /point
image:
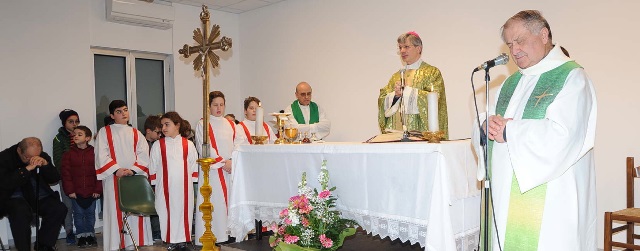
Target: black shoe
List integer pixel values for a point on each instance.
(42, 247)
(91, 241)
(82, 242)
(174, 247)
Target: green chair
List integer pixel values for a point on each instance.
(135, 198)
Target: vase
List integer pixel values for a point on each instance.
(293, 247)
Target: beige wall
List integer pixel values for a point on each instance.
(345, 49)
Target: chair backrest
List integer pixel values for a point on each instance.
(135, 195)
(632, 174)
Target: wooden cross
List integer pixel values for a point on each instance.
(206, 58)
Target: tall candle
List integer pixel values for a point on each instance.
(432, 111)
(259, 119)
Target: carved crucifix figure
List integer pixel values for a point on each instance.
(206, 58)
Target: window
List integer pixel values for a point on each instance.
(140, 79)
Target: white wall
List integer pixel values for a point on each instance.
(345, 49)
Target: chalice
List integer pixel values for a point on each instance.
(291, 133)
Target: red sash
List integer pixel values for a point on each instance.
(214, 145)
(112, 152)
(165, 183)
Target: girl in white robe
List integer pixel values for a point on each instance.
(173, 170)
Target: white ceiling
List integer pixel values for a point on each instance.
(232, 6)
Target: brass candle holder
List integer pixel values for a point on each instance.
(280, 118)
(259, 140)
(433, 137)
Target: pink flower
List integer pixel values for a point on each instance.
(287, 221)
(305, 222)
(326, 242)
(324, 194)
(284, 213)
(281, 230)
(299, 201)
(290, 239)
(306, 209)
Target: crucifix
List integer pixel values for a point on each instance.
(206, 58)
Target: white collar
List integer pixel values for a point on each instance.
(554, 59)
(415, 65)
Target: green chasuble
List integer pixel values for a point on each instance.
(526, 209)
(423, 78)
(313, 113)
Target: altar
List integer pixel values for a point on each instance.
(414, 191)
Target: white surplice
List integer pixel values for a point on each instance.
(321, 129)
(121, 146)
(243, 138)
(219, 180)
(174, 186)
(557, 151)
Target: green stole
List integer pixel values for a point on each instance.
(524, 218)
(313, 113)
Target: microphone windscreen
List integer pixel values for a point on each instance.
(281, 111)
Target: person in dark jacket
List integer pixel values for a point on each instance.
(81, 185)
(61, 143)
(20, 166)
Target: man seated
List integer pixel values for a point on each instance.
(306, 115)
(20, 165)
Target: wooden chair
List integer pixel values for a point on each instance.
(630, 215)
(136, 197)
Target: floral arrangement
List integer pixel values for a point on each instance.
(311, 221)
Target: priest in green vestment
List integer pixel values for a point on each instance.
(541, 132)
(306, 115)
(420, 78)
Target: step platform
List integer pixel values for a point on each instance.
(358, 242)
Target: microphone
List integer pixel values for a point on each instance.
(502, 59)
(402, 78)
(281, 111)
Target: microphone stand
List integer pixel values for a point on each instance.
(401, 108)
(487, 182)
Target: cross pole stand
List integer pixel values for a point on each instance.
(206, 58)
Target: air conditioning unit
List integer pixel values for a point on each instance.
(158, 14)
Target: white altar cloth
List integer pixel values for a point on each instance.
(416, 191)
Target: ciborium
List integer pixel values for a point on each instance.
(280, 118)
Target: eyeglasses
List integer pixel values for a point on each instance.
(406, 47)
(305, 94)
(77, 122)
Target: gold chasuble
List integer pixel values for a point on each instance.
(423, 80)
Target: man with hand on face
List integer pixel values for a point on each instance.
(20, 165)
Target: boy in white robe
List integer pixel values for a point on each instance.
(173, 170)
(121, 151)
(541, 135)
(247, 128)
(221, 143)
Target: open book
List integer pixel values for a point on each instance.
(395, 136)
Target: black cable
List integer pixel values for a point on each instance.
(485, 149)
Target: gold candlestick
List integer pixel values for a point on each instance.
(259, 140)
(208, 239)
(280, 117)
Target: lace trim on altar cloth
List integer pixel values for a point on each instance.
(241, 221)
